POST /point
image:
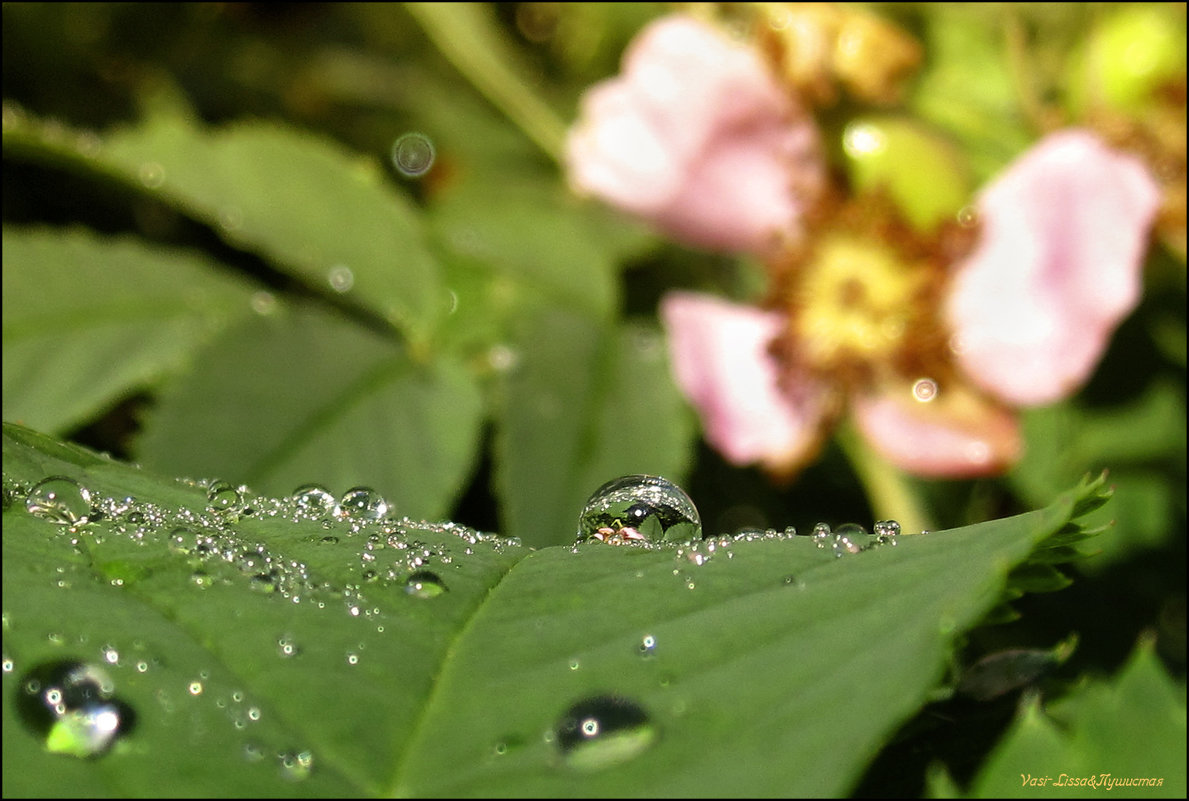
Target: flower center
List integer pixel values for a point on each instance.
(864, 300)
(856, 301)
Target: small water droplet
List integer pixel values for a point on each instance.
(647, 646)
(924, 389)
(286, 647)
(195, 688)
(602, 731)
(341, 278)
(413, 154)
(364, 503)
(886, 532)
(60, 500)
(822, 536)
(151, 174)
(968, 216)
(72, 705)
(425, 584)
(296, 766)
(639, 507)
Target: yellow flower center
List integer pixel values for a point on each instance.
(857, 301)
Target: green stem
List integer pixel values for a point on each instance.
(888, 490)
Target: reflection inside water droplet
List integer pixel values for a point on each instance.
(602, 731)
(60, 500)
(639, 508)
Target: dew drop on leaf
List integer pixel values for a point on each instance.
(647, 646)
(886, 532)
(639, 507)
(602, 731)
(60, 500)
(364, 503)
(425, 584)
(296, 765)
(851, 538)
(314, 501)
(71, 705)
(222, 496)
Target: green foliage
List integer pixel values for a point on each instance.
(1102, 737)
(760, 648)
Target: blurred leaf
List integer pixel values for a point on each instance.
(1143, 441)
(88, 320)
(305, 396)
(535, 236)
(584, 403)
(305, 204)
(776, 668)
(1132, 727)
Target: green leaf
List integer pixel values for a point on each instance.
(89, 319)
(1132, 727)
(585, 403)
(1147, 455)
(249, 644)
(305, 204)
(308, 397)
(534, 236)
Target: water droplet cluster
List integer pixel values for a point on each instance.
(852, 538)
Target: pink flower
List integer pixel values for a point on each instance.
(696, 137)
(1056, 267)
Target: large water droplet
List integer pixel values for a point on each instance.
(60, 500)
(413, 154)
(222, 496)
(639, 507)
(602, 731)
(364, 503)
(314, 501)
(425, 584)
(851, 538)
(72, 705)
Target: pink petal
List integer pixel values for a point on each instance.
(697, 137)
(720, 357)
(954, 435)
(1057, 267)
